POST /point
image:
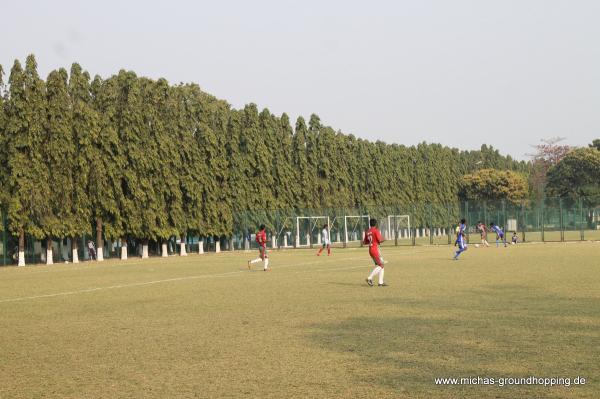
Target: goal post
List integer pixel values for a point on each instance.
(354, 226)
(400, 226)
(305, 228)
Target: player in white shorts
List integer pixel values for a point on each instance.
(325, 240)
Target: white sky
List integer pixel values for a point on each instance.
(461, 73)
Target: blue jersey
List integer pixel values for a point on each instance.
(460, 236)
(498, 231)
(461, 230)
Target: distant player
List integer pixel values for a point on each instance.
(499, 233)
(261, 239)
(515, 238)
(325, 240)
(481, 227)
(373, 238)
(461, 241)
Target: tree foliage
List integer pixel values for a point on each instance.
(144, 159)
(493, 184)
(547, 154)
(577, 174)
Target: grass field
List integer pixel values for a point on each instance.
(206, 327)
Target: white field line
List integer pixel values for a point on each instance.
(175, 279)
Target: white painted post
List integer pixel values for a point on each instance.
(164, 251)
(100, 254)
(182, 251)
(201, 246)
(144, 251)
(217, 246)
(75, 256)
(285, 243)
(49, 260)
(124, 250)
(21, 258)
(273, 242)
(231, 244)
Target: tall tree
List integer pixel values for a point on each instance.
(28, 175)
(192, 172)
(577, 174)
(84, 128)
(159, 136)
(285, 186)
(59, 154)
(3, 154)
(141, 205)
(300, 162)
(106, 159)
(547, 154)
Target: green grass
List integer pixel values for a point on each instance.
(311, 328)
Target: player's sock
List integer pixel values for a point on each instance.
(319, 253)
(381, 276)
(266, 263)
(458, 253)
(374, 272)
(328, 251)
(255, 260)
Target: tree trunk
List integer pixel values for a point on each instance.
(99, 241)
(74, 250)
(145, 249)
(201, 245)
(21, 248)
(164, 249)
(123, 249)
(49, 260)
(182, 250)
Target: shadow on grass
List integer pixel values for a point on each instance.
(495, 331)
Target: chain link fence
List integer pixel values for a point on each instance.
(553, 219)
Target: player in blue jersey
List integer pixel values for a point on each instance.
(499, 233)
(461, 239)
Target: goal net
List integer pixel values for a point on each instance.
(396, 226)
(308, 230)
(354, 227)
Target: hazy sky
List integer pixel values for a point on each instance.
(460, 73)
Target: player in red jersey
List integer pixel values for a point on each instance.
(373, 238)
(261, 239)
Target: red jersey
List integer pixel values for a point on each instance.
(373, 239)
(261, 238)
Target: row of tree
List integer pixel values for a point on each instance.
(133, 157)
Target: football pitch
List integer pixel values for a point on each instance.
(206, 327)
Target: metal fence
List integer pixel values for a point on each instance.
(554, 219)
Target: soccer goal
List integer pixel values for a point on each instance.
(354, 227)
(284, 232)
(398, 226)
(308, 230)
